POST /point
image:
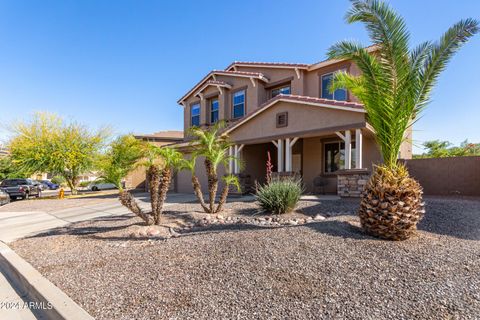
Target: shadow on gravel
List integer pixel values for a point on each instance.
(452, 217)
(341, 229)
(74, 228)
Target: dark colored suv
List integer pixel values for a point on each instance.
(20, 188)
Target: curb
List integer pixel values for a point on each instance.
(54, 303)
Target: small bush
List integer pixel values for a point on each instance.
(57, 180)
(280, 196)
(84, 184)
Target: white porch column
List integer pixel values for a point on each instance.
(358, 148)
(288, 153)
(279, 145)
(348, 150)
(230, 161)
(238, 156)
(288, 156)
(235, 162)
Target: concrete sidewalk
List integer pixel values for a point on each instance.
(12, 304)
(18, 224)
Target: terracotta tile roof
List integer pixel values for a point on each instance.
(253, 74)
(257, 75)
(315, 100)
(268, 64)
(215, 82)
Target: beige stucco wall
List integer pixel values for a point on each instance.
(308, 85)
(184, 177)
(301, 118)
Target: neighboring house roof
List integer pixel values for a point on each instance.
(319, 102)
(169, 135)
(212, 74)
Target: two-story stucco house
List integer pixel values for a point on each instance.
(286, 110)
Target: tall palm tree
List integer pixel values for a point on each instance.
(394, 87)
(213, 146)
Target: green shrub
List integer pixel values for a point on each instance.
(280, 195)
(57, 180)
(84, 184)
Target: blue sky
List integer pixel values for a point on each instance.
(125, 63)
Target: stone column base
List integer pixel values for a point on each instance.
(351, 183)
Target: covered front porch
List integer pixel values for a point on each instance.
(328, 163)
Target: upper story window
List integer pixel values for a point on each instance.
(334, 156)
(339, 94)
(238, 104)
(195, 115)
(286, 89)
(213, 110)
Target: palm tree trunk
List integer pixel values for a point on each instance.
(223, 198)
(162, 192)
(127, 199)
(197, 189)
(153, 177)
(212, 184)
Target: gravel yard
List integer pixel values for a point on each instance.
(324, 269)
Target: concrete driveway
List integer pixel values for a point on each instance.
(28, 217)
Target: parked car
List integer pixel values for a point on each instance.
(39, 184)
(49, 185)
(96, 186)
(20, 188)
(4, 197)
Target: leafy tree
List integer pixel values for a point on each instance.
(121, 157)
(394, 87)
(9, 170)
(441, 149)
(213, 146)
(49, 144)
(161, 163)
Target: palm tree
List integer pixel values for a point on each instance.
(213, 146)
(172, 160)
(189, 164)
(161, 163)
(394, 87)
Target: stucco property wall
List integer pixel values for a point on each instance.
(447, 176)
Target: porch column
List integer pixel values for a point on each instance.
(238, 150)
(230, 161)
(348, 150)
(347, 138)
(235, 162)
(279, 145)
(288, 156)
(288, 153)
(358, 148)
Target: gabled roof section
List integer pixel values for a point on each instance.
(328, 62)
(280, 65)
(212, 74)
(319, 102)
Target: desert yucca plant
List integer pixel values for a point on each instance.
(394, 87)
(279, 195)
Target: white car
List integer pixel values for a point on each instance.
(96, 186)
